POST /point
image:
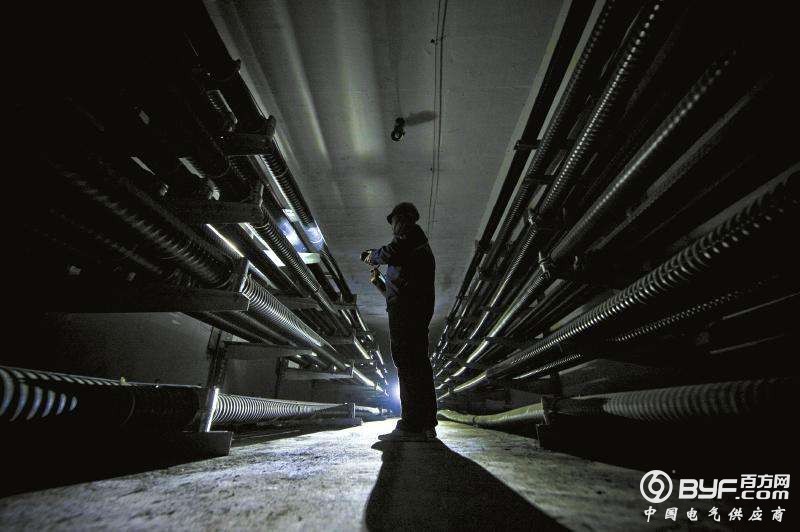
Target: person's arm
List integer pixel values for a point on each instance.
(392, 252)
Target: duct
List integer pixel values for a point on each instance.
(677, 404)
(725, 249)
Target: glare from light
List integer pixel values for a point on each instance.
(261, 244)
(227, 242)
(396, 392)
(314, 235)
(361, 349)
(274, 258)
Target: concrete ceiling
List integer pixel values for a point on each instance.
(336, 74)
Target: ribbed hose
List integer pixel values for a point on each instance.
(112, 247)
(223, 322)
(725, 245)
(682, 403)
(662, 405)
(678, 318)
(242, 409)
(186, 252)
(643, 42)
(29, 397)
(607, 30)
(621, 84)
(556, 365)
(288, 187)
(707, 309)
(255, 326)
(640, 166)
(771, 212)
(269, 308)
(532, 286)
(278, 242)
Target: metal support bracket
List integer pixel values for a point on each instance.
(526, 146)
(291, 374)
(299, 303)
(80, 296)
(258, 351)
(218, 212)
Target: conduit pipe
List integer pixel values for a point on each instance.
(643, 41)
(568, 39)
(29, 398)
(662, 405)
(725, 249)
(637, 169)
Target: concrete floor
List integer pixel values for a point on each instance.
(343, 480)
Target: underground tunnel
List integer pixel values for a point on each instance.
(580, 315)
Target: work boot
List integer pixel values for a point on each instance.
(399, 434)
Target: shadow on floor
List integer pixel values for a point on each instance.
(427, 486)
(55, 460)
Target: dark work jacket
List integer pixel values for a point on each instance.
(411, 267)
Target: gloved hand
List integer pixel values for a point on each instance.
(365, 255)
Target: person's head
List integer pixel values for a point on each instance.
(403, 214)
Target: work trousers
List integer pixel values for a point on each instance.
(408, 332)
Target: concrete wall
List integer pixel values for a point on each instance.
(144, 347)
(170, 347)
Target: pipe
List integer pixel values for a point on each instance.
(661, 405)
(240, 409)
(30, 398)
(278, 242)
(213, 268)
(638, 168)
(283, 178)
(640, 45)
(530, 413)
(568, 39)
(727, 244)
(607, 31)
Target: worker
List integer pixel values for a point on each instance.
(409, 296)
